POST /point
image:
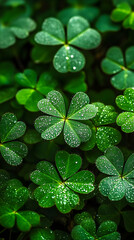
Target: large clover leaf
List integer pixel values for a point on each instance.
(13, 198)
(10, 129)
(114, 63)
(102, 135)
(120, 182)
(75, 132)
(54, 191)
(86, 229)
(12, 26)
(126, 103)
(33, 91)
(79, 34)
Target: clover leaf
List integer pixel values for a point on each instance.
(61, 190)
(114, 212)
(86, 229)
(126, 103)
(79, 34)
(83, 9)
(105, 24)
(119, 183)
(12, 27)
(33, 91)
(13, 198)
(6, 94)
(42, 233)
(124, 13)
(51, 126)
(102, 135)
(114, 64)
(10, 129)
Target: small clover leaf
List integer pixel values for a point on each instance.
(83, 9)
(79, 34)
(7, 94)
(124, 13)
(62, 193)
(119, 183)
(51, 126)
(126, 103)
(33, 91)
(86, 229)
(11, 201)
(19, 27)
(105, 24)
(102, 135)
(114, 63)
(11, 129)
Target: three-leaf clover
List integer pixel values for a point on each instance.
(33, 90)
(86, 229)
(102, 135)
(11, 27)
(51, 126)
(79, 34)
(60, 190)
(126, 103)
(114, 63)
(12, 199)
(120, 182)
(10, 129)
(124, 13)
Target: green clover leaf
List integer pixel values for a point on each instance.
(33, 90)
(42, 233)
(114, 212)
(10, 129)
(83, 9)
(86, 229)
(79, 34)
(126, 103)
(75, 132)
(119, 183)
(124, 13)
(105, 24)
(19, 27)
(102, 135)
(114, 64)
(62, 193)
(11, 201)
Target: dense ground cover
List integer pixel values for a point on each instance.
(66, 120)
